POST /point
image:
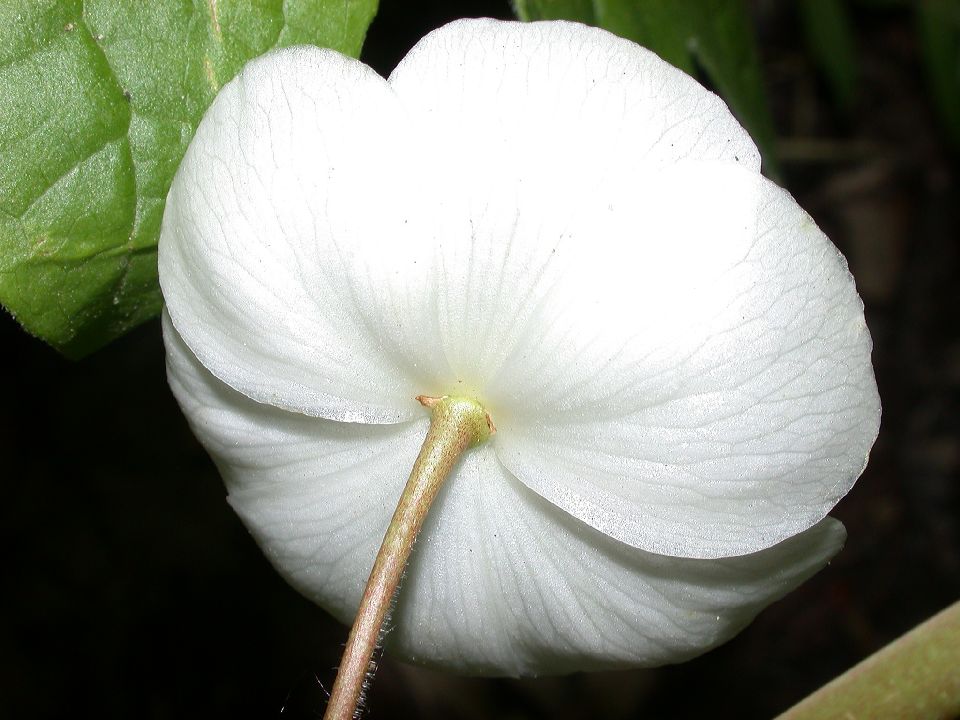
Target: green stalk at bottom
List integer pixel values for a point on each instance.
(455, 425)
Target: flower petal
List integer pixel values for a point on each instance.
(289, 190)
(316, 494)
(698, 382)
(502, 581)
(519, 127)
(534, 99)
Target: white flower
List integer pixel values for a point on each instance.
(554, 222)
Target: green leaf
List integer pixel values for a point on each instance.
(713, 35)
(829, 37)
(98, 101)
(939, 28)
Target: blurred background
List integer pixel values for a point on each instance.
(131, 589)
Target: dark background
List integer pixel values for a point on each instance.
(129, 589)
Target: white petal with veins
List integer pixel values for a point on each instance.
(283, 198)
(704, 386)
(316, 494)
(501, 581)
(521, 128)
(504, 582)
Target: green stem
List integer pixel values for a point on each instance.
(455, 425)
(916, 676)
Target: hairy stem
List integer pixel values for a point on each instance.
(455, 425)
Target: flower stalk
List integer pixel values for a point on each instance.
(456, 424)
